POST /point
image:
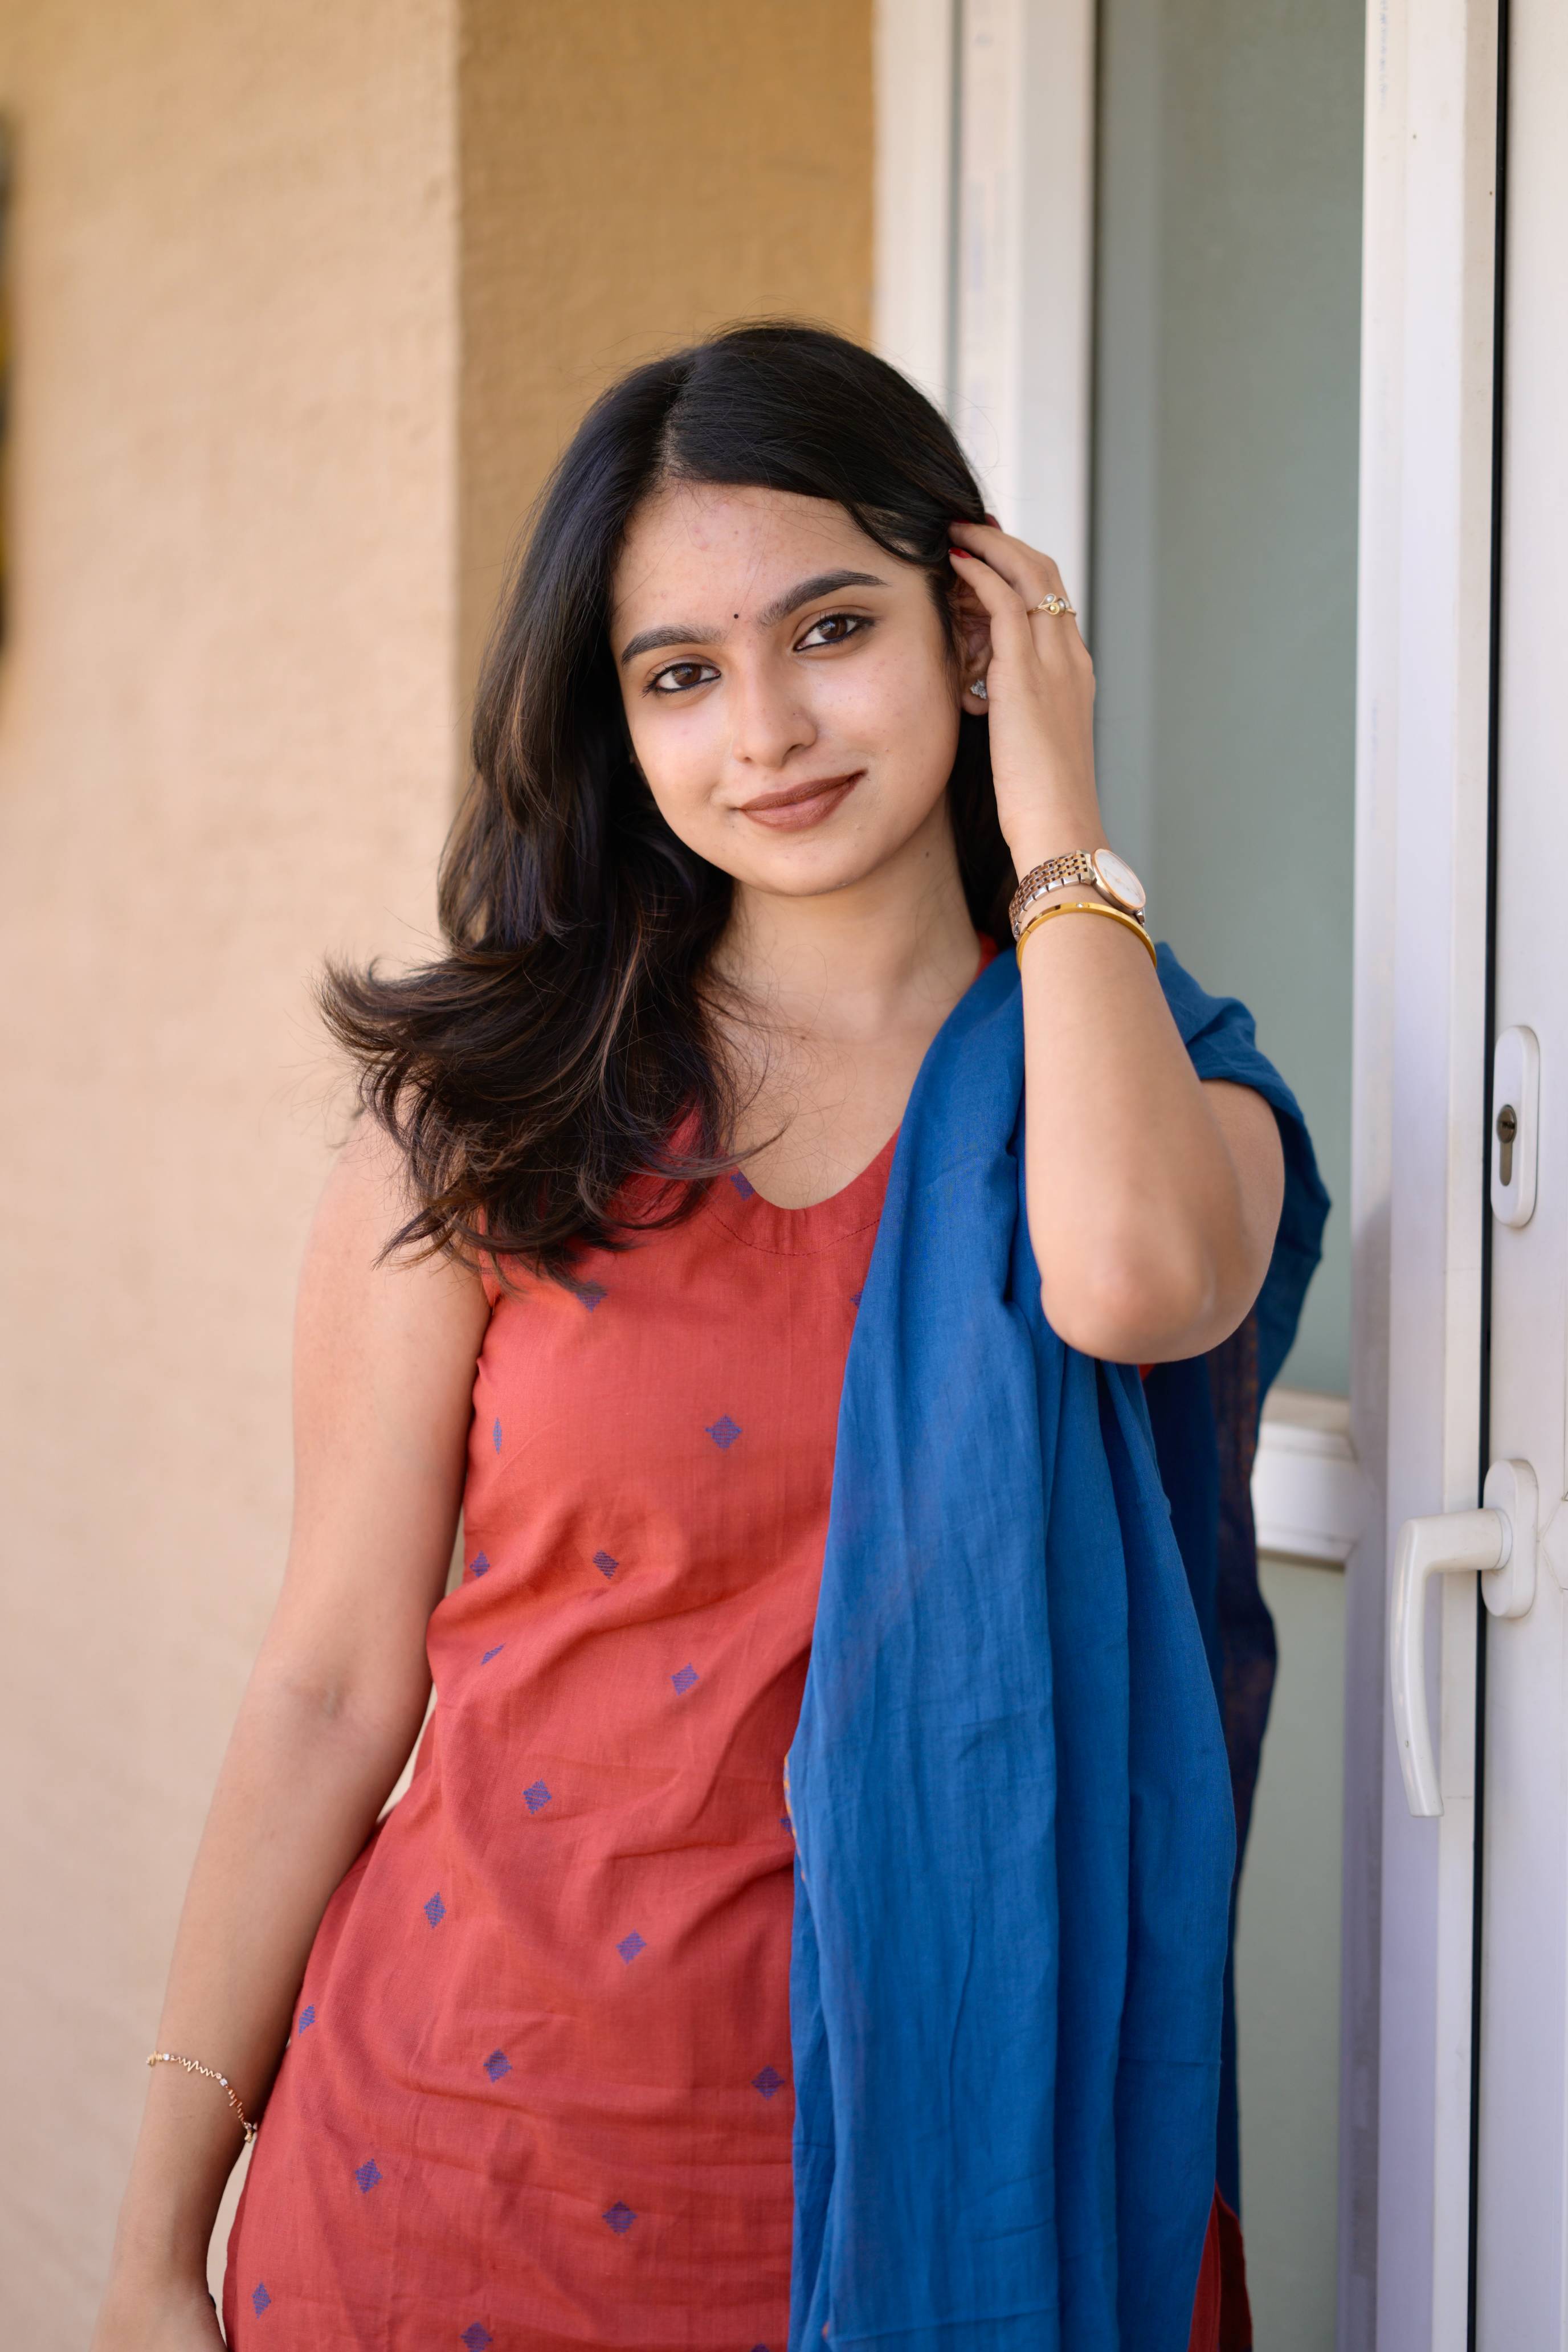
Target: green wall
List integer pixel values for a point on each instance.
(1222, 596)
(1288, 1972)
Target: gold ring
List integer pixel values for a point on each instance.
(1053, 604)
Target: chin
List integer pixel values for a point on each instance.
(814, 869)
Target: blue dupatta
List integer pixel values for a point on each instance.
(1014, 1838)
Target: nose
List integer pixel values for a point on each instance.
(769, 719)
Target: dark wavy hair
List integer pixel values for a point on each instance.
(555, 1049)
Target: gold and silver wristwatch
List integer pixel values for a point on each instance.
(1100, 870)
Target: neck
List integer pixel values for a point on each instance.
(849, 963)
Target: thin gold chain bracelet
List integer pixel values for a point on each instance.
(1087, 906)
(194, 2066)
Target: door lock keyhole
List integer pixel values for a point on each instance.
(1516, 1099)
(1507, 1128)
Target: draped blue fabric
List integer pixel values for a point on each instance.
(1008, 1783)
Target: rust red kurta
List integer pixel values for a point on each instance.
(538, 2095)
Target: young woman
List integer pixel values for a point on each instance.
(773, 721)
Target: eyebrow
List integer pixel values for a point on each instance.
(805, 592)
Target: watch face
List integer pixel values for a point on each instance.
(1119, 882)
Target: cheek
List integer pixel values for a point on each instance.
(680, 753)
(904, 707)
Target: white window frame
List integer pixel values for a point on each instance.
(984, 229)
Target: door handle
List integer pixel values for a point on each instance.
(1498, 1542)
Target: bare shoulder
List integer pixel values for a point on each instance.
(400, 1332)
(384, 1350)
(364, 1201)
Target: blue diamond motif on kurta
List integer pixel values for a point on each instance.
(620, 2218)
(536, 1796)
(630, 1946)
(476, 2337)
(492, 1653)
(605, 1562)
(725, 1432)
(367, 2176)
(683, 1677)
(497, 2064)
(588, 1294)
(496, 1435)
(434, 1910)
(769, 2080)
(307, 2017)
(481, 1565)
(742, 1185)
(259, 2300)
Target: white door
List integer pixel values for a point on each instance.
(1521, 2240)
(1490, 1791)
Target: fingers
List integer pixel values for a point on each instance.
(1008, 607)
(1025, 577)
(1000, 603)
(1027, 572)
(984, 582)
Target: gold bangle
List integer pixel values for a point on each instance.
(194, 2066)
(1087, 906)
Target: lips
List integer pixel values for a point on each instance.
(801, 805)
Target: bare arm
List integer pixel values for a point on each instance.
(1154, 1198)
(383, 1376)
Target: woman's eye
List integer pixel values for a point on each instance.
(834, 628)
(681, 676)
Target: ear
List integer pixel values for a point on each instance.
(973, 632)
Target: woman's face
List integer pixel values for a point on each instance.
(790, 689)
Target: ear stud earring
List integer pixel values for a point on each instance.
(977, 688)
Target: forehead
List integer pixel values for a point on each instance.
(717, 550)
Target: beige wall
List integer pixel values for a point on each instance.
(635, 174)
(225, 721)
(272, 343)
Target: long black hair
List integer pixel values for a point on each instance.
(554, 1051)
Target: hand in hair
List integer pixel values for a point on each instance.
(1154, 1198)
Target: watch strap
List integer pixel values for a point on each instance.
(1055, 874)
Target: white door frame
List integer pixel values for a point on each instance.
(984, 230)
(1418, 1150)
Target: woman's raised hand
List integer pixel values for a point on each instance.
(1153, 1198)
(1039, 684)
